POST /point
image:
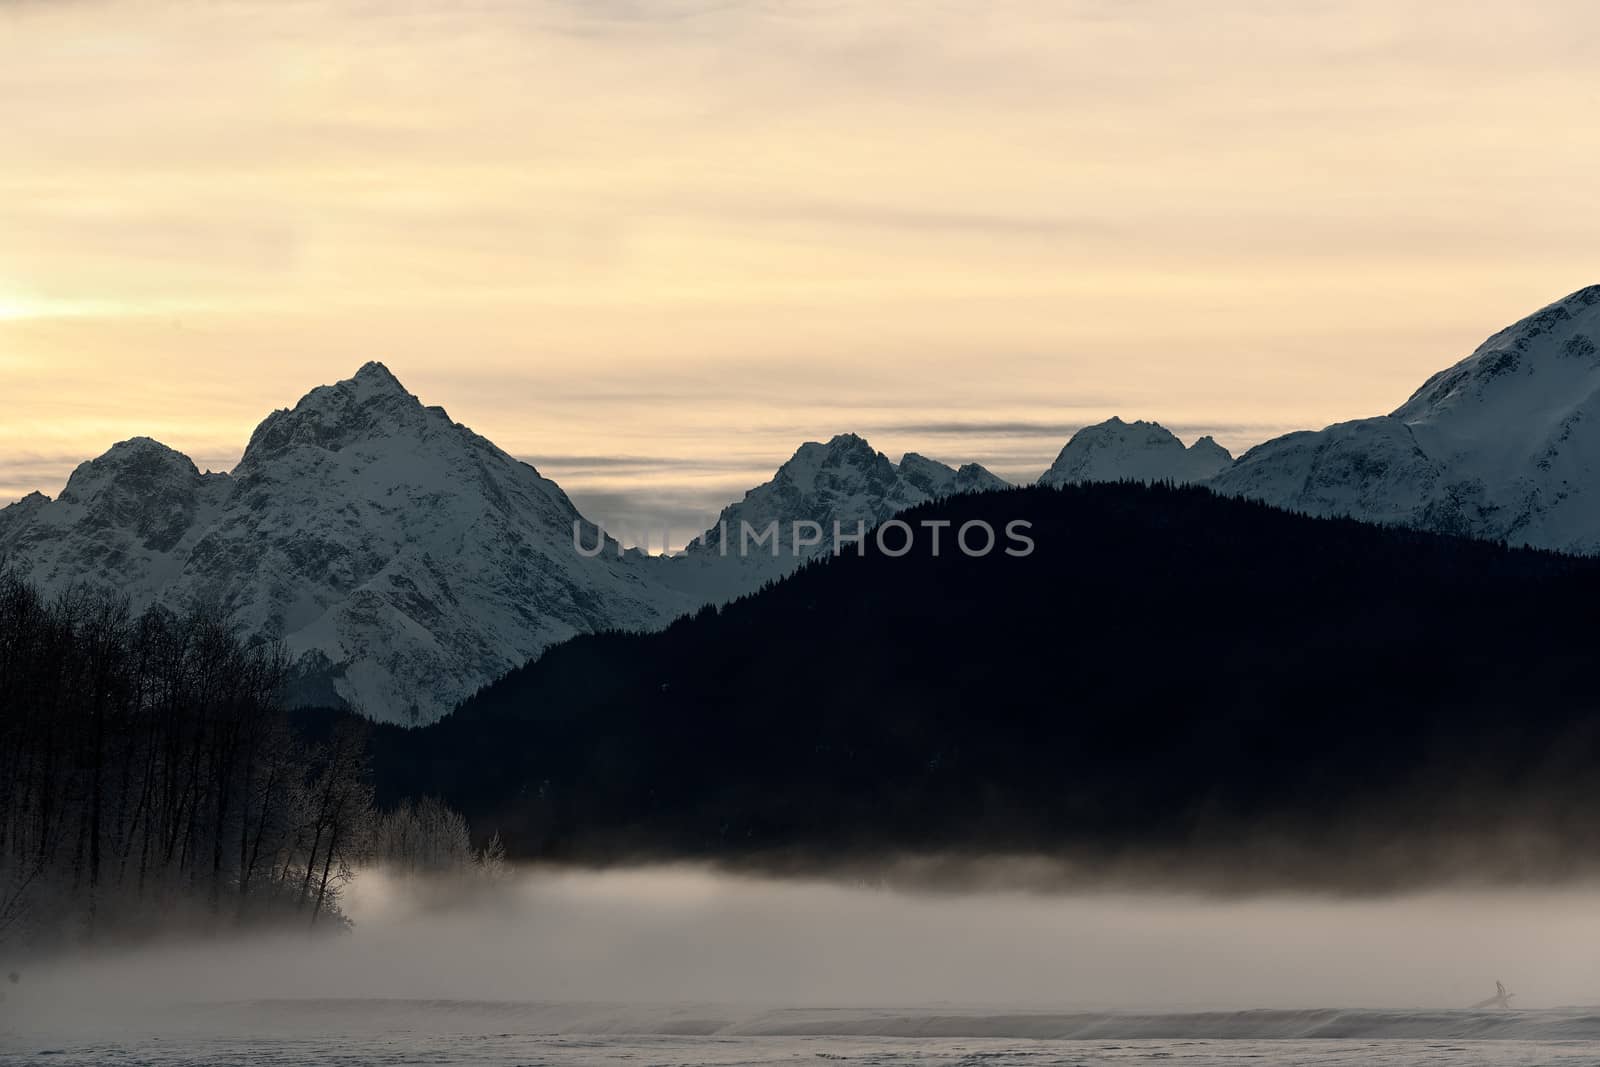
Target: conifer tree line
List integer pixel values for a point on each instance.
(149, 777)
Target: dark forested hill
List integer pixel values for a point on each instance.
(1168, 676)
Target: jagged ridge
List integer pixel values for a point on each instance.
(403, 559)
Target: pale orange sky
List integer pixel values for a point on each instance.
(652, 245)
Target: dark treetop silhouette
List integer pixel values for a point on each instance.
(1173, 683)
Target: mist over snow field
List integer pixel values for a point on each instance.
(680, 965)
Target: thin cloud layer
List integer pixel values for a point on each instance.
(710, 230)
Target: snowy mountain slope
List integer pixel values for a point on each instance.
(127, 520)
(936, 479)
(843, 480)
(1505, 444)
(402, 558)
(19, 514)
(1114, 451)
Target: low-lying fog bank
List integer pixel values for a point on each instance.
(678, 936)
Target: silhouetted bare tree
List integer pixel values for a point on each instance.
(148, 773)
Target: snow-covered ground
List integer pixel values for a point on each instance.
(435, 1032)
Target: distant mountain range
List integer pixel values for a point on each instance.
(405, 560)
(844, 481)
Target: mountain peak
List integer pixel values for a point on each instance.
(371, 404)
(844, 480)
(815, 463)
(140, 446)
(843, 445)
(17, 515)
(140, 494)
(1115, 450)
(374, 368)
(374, 376)
(142, 458)
(937, 479)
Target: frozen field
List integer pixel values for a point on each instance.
(474, 1032)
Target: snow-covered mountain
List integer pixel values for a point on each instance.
(1114, 451)
(128, 520)
(406, 561)
(936, 479)
(402, 558)
(844, 481)
(1505, 444)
